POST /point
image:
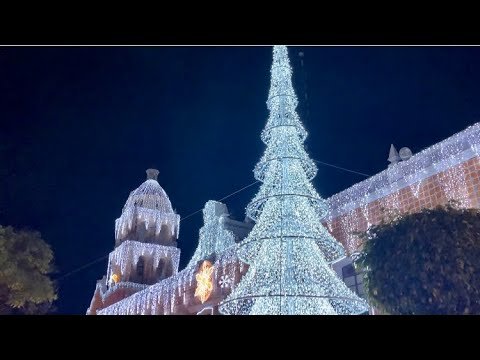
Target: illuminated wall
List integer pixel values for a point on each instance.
(447, 170)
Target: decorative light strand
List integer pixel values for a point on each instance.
(213, 237)
(288, 249)
(435, 159)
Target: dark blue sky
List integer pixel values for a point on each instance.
(79, 126)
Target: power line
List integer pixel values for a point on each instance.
(189, 215)
(301, 55)
(225, 197)
(81, 267)
(239, 190)
(307, 114)
(185, 217)
(341, 168)
(196, 212)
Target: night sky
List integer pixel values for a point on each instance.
(80, 125)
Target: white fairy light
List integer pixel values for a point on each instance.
(435, 159)
(454, 185)
(149, 206)
(154, 299)
(225, 281)
(365, 210)
(129, 252)
(415, 186)
(349, 223)
(214, 238)
(161, 297)
(288, 249)
(329, 225)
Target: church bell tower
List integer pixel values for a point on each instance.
(145, 250)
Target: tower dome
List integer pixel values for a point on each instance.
(147, 215)
(150, 195)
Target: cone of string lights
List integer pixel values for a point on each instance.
(289, 251)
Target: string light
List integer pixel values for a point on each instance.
(204, 281)
(433, 160)
(115, 278)
(225, 281)
(288, 249)
(288, 274)
(213, 237)
(148, 205)
(444, 158)
(121, 260)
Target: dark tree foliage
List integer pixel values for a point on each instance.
(25, 264)
(424, 263)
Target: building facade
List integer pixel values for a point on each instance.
(143, 275)
(448, 170)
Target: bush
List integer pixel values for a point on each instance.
(25, 264)
(424, 263)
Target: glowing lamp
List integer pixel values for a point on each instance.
(115, 278)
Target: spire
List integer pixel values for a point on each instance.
(393, 156)
(152, 174)
(148, 206)
(280, 56)
(289, 250)
(282, 100)
(281, 76)
(213, 237)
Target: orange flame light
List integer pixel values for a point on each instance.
(204, 281)
(115, 278)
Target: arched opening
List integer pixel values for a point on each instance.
(140, 270)
(165, 237)
(160, 269)
(164, 269)
(141, 231)
(168, 269)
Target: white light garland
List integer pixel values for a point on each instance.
(135, 287)
(349, 224)
(433, 160)
(148, 205)
(213, 238)
(415, 186)
(156, 299)
(443, 159)
(162, 297)
(225, 281)
(365, 211)
(288, 249)
(129, 252)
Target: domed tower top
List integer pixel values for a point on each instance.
(148, 215)
(150, 195)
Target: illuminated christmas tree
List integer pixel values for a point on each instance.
(288, 250)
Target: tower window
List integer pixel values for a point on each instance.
(140, 267)
(168, 269)
(160, 268)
